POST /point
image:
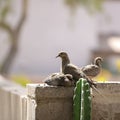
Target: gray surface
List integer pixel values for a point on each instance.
(55, 103)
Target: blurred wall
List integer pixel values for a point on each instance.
(50, 28)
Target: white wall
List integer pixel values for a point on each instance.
(109, 20)
(50, 28)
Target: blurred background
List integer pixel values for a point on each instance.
(33, 32)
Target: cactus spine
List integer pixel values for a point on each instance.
(82, 100)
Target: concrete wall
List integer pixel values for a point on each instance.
(52, 103)
(55, 103)
(107, 107)
(42, 102)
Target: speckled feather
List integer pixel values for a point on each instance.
(94, 69)
(91, 70)
(59, 79)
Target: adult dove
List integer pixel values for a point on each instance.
(69, 68)
(94, 69)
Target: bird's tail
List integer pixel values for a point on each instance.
(88, 79)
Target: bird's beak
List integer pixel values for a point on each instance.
(57, 56)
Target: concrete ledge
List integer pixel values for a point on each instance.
(56, 103)
(52, 103)
(41, 91)
(107, 106)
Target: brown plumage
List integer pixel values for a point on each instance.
(94, 69)
(68, 68)
(59, 79)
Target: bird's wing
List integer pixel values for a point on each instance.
(91, 70)
(73, 70)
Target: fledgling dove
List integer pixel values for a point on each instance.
(94, 69)
(59, 79)
(69, 68)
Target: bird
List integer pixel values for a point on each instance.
(69, 68)
(59, 79)
(94, 69)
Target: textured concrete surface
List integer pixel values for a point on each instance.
(52, 103)
(55, 103)
(107, 106)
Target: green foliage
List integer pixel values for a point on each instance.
(90, 5)
(82, 101)
(21, 79)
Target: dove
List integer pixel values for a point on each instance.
(94, 69)
(59, 79)
(69, 68)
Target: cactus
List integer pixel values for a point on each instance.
(82, 100)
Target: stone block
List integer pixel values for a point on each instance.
(56, 103)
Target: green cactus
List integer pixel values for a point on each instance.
(82, 100)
